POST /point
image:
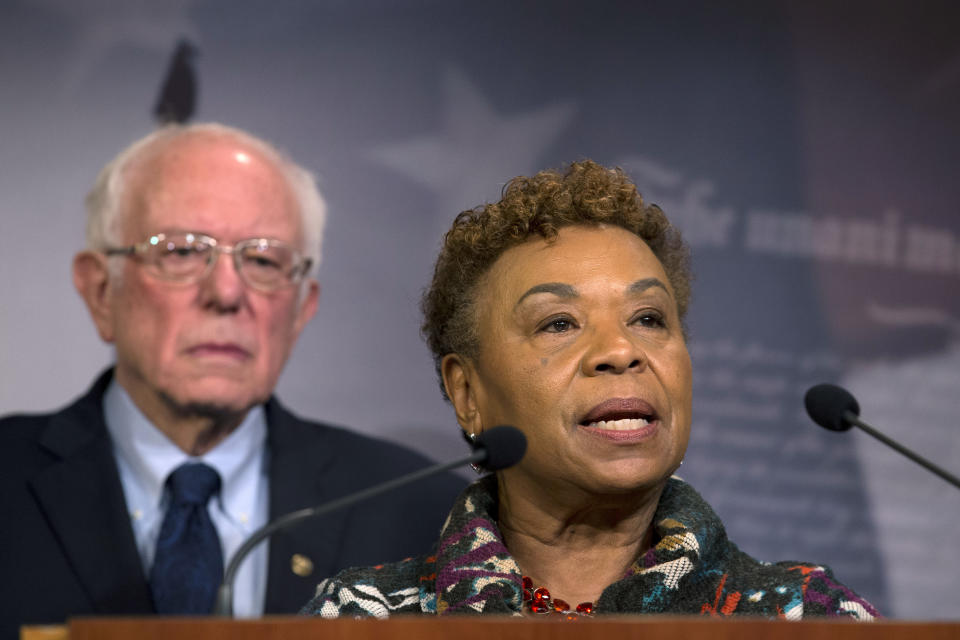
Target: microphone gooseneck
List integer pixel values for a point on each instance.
(835, 408)
(496, 448)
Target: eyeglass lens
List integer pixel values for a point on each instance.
(188, 256)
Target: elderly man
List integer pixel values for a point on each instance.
(202, 243)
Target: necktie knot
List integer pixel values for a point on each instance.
(193, 483)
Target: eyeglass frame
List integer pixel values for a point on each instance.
(298, 272)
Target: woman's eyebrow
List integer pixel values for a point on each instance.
(642, 285)
(559, 289)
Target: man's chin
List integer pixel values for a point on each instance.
(216, 411)
(215, 404)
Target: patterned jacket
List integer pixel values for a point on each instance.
(692, 569)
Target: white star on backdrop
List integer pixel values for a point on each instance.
(475, 149)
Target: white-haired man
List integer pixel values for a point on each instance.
(202, 245)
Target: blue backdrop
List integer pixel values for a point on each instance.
(809, 151)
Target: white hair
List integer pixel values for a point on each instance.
(105, 201)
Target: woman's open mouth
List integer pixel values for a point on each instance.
(621, 417)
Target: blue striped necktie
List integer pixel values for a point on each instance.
(188, 564)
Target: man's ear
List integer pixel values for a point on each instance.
(308, 304)
(461, 383)
(91, 277)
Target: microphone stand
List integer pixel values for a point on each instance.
(224, 603)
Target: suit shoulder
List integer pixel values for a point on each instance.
(83, 410)
(22, 455)
(374, 445)
(343, 439)
(23, 427)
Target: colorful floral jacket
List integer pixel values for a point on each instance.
(692, 569)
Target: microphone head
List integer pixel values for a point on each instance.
(503, 445)
(827, 403)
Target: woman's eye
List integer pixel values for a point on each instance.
(653, 319)
(558, 325)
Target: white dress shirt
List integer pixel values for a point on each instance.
(145, 457)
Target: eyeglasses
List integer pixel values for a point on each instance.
(184, 257)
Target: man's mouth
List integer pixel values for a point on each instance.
(620, 414)
(229, 350)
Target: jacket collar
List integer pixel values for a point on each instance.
(475, 571)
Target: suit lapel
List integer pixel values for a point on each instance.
(299, 460)
(82, 498)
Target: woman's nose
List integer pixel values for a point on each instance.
(612, 350)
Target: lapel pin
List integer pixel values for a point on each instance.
(301, 565)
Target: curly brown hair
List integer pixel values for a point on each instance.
(586, 193)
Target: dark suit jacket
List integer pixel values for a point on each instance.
(67, 547)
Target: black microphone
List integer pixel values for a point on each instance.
(495, 449)
(835, 408)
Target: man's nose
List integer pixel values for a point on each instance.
(612, 349)
(223, 288)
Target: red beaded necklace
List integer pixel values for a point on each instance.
(539, 601)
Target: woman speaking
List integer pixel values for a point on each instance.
(559, 310)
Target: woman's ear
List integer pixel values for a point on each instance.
(460, 382)
(91, 277)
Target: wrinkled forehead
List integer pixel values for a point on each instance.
(578, 255)
(208, 182)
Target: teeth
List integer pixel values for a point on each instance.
(625, 424)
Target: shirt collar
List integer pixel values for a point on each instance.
(151, 455)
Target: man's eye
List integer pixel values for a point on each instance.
(181, 252)
(262, 262)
